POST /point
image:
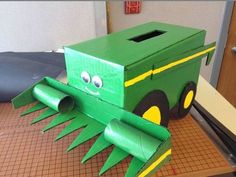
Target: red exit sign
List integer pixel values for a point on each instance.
(132, 7)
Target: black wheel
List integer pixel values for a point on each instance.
(154, 107)
(186, 100)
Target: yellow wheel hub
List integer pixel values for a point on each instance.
(188, 99)
(153, 114)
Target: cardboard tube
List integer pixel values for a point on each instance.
(131, 140)
(53, 98)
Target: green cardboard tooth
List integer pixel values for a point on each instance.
(77, 123)
(124, 86)
(99, 145)
(115, 157)
(87, 133)
(134, 167)
(60, 119)
(46, 114)
(36, 107)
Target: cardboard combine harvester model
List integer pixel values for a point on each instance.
(123, 87)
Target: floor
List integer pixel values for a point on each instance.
(25, 151)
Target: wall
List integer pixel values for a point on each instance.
(39, 26)
(205, 15)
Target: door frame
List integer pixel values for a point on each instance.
(100, 16)
(222, 39)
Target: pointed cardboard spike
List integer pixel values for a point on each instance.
(26, 97)
(99, 145)
(47, 113)
(80, 121)
(87, 133)
(134, 167)
(114, 158)
(38, 106)
(60, 119)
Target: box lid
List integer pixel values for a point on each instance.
(132, 45)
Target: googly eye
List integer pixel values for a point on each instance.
(97, 81)
(85, 77)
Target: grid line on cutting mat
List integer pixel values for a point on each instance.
(25, 151)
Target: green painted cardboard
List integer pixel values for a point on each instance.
(108, 77)
(119, 49)
(97, 116)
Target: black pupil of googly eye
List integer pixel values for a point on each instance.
(97, 84)
(85, 79)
